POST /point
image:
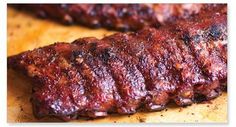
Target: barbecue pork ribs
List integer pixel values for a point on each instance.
(185, 62)
(119, 16)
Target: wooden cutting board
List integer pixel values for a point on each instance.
(25, 32)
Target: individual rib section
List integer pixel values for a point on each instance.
(100, 85)
(190, 72)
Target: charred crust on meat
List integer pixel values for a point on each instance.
(105, 55)
(182, 63)
(186, 38)
(215, 31)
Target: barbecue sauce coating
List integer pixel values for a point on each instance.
(185, 62)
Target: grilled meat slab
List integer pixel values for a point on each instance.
(185, 62)
(118, 16)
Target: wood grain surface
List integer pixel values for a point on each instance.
(25, 32)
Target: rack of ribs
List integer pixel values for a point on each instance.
(185, 62)
(118, 16)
